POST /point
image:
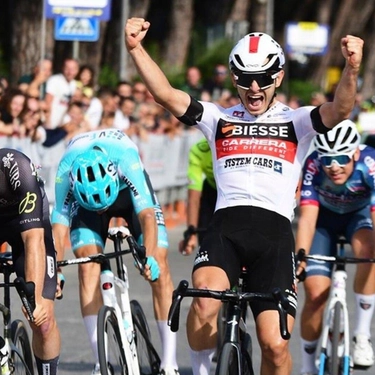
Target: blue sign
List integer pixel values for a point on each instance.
(98, 9)
(80, 29)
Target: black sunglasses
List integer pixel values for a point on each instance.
(264, 80)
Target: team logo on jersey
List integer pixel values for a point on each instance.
(7, 159)
(370, 163)
(239, 114)
(27, 204)
(266, 139)
(254, 160)
(14, 172)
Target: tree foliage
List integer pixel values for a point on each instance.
(188, 32)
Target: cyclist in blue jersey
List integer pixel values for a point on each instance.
(258, 147)
(337, 198)
(99, 177)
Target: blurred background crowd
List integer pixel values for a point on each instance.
(45, 109)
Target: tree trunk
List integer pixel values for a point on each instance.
(27, 37)
(238, 25)
(177, 43)
(258, 15)
(351, 18)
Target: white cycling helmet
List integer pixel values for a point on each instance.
(256, 53)
(342, 139)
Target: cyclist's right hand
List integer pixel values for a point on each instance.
(60, 285)
(300, 265)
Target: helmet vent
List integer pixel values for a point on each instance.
(79, 176)
(83, 197)
(239, 60)
(102, 170)
(90, 174)
(96, 198)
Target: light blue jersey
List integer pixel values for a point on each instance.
(124, 155)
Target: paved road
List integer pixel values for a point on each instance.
(76, 355)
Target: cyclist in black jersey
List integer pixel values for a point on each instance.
(258, 147)
(25, 226)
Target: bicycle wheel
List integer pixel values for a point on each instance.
(148, 358)
(111, 354)
(228, 363)
(335, 360)
(22, 358)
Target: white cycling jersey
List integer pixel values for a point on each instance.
(257, 159)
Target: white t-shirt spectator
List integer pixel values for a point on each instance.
(121, 121)
(62, 91)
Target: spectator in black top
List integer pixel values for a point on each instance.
(217, 84)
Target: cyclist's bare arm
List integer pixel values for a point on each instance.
(306, 228)
(35, 255)
(60, 234)
(194, 196)
(334, 112)
(176, 101)
(150, 234)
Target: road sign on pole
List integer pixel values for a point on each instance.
(79, 29)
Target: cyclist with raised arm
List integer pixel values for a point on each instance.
(258, 147)
(99, 177)
(337, 198)
(201, 194)
(26, 227)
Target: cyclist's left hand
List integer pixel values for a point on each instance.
(60, 285)
(301, 271)
(40, 314)
(152, 269)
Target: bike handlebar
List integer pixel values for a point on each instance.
(183, 290)
(301, 255)
(116, 234)
(26, 290)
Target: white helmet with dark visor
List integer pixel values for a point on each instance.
(256, 57)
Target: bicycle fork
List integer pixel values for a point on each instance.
(108, 290)
(326, 350)
(235, 324)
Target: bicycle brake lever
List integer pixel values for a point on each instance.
(174, 311)
(26, 291)
(282, 307)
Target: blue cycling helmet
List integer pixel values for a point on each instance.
(94, 180)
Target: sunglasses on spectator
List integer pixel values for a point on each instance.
(221, 72)
(245, 80)
(341, 160)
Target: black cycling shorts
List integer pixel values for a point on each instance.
(256, 238)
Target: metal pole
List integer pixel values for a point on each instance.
(270, 10)
(43, 41)
(76, 49)
(124, 74)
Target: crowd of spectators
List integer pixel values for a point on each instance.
(45, 107)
